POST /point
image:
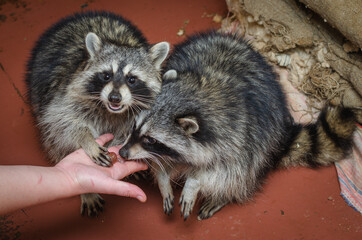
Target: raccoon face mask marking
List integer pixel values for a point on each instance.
(149, 141)
(120, 79)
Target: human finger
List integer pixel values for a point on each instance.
(125, 189)
(123, 169)
(115, 149)
(103, 139)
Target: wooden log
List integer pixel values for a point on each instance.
(346, 16)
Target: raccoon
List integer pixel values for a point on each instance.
(90, 74)
(221, 123)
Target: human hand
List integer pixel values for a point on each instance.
(88, 177)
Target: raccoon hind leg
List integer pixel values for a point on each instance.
(93, 202)
(209, 207)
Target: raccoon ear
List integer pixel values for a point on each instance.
(159, 53)
(93, 44)
(170, 74)
(189, 125)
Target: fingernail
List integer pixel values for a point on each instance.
(140, 198)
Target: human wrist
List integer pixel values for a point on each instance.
(67, 182)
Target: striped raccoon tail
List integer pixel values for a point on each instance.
(326, 141)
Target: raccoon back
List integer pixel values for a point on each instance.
(241, 107)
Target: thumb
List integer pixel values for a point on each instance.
(103, 139)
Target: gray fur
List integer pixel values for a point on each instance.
(221, 122)
(90, 74)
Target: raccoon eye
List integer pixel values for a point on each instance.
(149, 140)
(131, 80)
(105, 76)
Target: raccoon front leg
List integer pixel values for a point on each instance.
(96, 152)
(164, 184)
(209, 207)
(188, 196)
(93, 202)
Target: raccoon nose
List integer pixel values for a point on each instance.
(115, 98)
(123, 152)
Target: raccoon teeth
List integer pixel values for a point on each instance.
(115, 108)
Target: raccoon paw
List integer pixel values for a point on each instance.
(141, 175)
(209, 208)
(101, 157)
(168, 203)
(186, 206)
(93, 202)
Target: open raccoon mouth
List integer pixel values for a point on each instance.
(116, 108)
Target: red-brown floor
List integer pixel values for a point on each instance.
(294, 204)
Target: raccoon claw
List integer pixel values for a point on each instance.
(208, 209)
(102, 158)
(141, 175)
(186, 207)
(93, 202)
(168, 203)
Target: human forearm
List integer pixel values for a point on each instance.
(24, 186)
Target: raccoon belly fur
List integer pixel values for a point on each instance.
(90, 74)
(221, 123)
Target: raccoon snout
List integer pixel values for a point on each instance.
(123, 152)
(115, 98)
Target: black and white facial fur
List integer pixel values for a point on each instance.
(90, 74)
(221, 123)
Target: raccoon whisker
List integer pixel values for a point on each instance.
(155, 159)
(98, 103)
(163, 168)
(132, 110)
(99, 93)
(96, 100)
(149, 160)
(87, 97)
(128, 114)
(149, 163)
(142, 95)
(140, 104)
(143, 98)
(140, 90)
(136, 108)
(143, 160)
(136, 105)
(165, 160)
